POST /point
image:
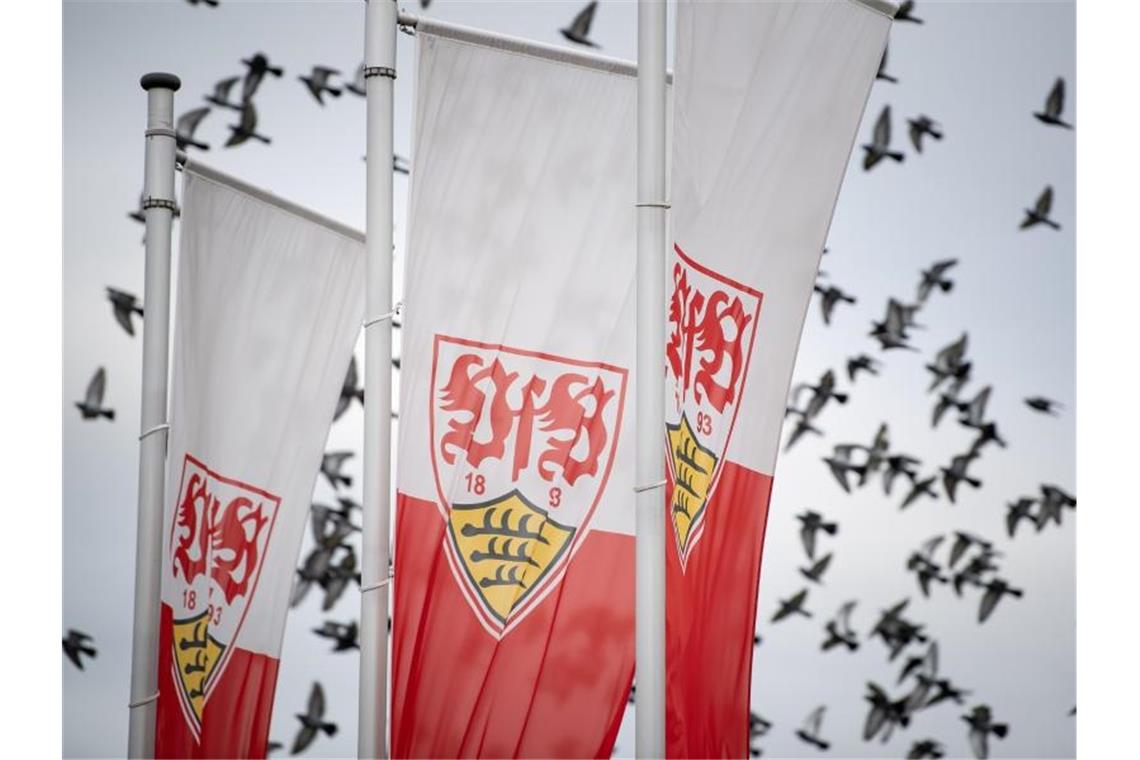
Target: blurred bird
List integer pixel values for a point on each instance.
(246, 127)
(946, 401)
(926, 664)
(922, 125)
(357, 85)
(841, 462)
(987, 432)
(879, 147)
(331, 465)
(877, 453)
(809, 732)
(1022, 509)
(343, 635)
(757, 726)
(882, 72)
(349, 390)
(91, 407)
(935, 277)
(812, 523)
(975, 570)
(257, 66)
(927, 748)
(946, 690)
(1043, 405)
(336, 579)
(974, 411)
(956, 473)
(962, 542)
(949, 362)
(995, 590)
(925, 571)
(1053, 501)
(792, 606)
(77, 644)
(891, 332)
(899, 464)
(185, 127)
(221, 94)
(884, 715)
(802, 427)
(861, 362)
(906, 11)
(981, 725)
(312, 721)
(831, 296)
(1039, 214)
(821, 394)
(1054, 105)
(318, 83)
(896, 631)
(920, 488)
(579, 29)
(124, 305)
(817, 569)
(839, 630)
(399, 166)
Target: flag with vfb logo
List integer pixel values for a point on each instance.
(269, 305)
(513, 621)
(767, 100)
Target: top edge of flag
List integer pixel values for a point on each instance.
(215, 175)
(886, 7)
(524, 46)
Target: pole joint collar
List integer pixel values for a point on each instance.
(379, 71)
(158, 203)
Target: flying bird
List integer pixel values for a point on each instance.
(802, 427)
(956, 473)
(925, 571)
(995, 590)
(861, 362)
(246, 127)
(821, 394)
(337, 577)
(221, 94)
(947, 690)
(839, 630)
(981, 725)
(879, 147)
(124, 306)
(906, 11)
(312, 721)
(331, 466)
(351, 389)
(257, 66)
(1039, 214)
(1053, 501)
(921, 126)
(318, 83)
(884, 715)
(1022, 509)
(935, 277)
(1043, 405)
(949, 363)
(792, 606)
(809, 732)
(91, 407)
(811, 523)
(927, 748)
(918, 489)
(891, 332)
(962, 542)
(357, 85)
(817, 569)
(842, 462)
(831, 296)
(76, 645)
(343, 635)
(1054, 105)
(185, 127)
(579, 29)
(899, 464)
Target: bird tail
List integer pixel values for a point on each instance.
(1000, 730)
(108, 413)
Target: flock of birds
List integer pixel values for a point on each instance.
(970, 562)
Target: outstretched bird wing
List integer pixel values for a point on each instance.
(1044, 201)
(1055, 103)
(94, 397)
(580, 26)
(882, 133)
(188, 122)
(317, 701)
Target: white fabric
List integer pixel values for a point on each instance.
(268, 309)
(767, 100)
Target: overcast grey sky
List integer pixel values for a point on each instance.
(978, 68)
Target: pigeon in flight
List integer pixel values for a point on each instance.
(357, 85)
(817, 569)
(947, 690)
(343, 635)
(792, 606)
(927, 748)
(884, 715)
(949, 362)
(831, 296)
(918, 489)
(809, 732)
(1039, 214)
(257, 66)
(906, 11)
(579, 29)
(336, 579)
(821, 394)
(77, 644)
(981, 725)
(925, 571)
(331, 465)
(1043, 405)
(899, 464)
(1022, 509)
(312, 721)
(1054, 105)
(956, 473)
(221, 94)
(926, 664)
(91, 407)
(318, 83)
(1053, 501)
(246, 127)
(882, 72)
(891, 332)
(995, 590)
(124, 305)
(935, 277)
(185, 127)
(861, 362)
(811, 523)
(962, 543)
(841, 462)
(839, 630)
(802, 427)
(351, 389)
(879, 147)
(921, 126)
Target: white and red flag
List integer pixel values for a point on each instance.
(269, 305)
(513, 621)
(767, 100)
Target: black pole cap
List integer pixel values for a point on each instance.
(160, 79)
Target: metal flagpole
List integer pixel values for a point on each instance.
(650, 465)
(380, 76)
(158, 209)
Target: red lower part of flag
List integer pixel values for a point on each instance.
(710, 620)
(554, 686)
(235, 718)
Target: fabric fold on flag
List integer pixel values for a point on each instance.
(513, 621)
(268, 308)
(768, 98)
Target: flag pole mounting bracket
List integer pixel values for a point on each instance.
(650, 487)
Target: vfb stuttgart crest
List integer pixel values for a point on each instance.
(711, 329)
(217, 545)
(522, 446)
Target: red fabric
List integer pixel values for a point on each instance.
(554, 686)
(235, 720)
(710, 619)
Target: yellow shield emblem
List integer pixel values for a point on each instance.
(196, 654)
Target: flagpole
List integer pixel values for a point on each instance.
(380, 75)
(158, 210)
(650, 464)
